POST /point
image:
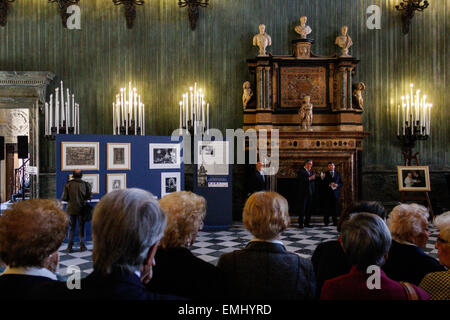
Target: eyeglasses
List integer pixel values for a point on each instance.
(439, 239)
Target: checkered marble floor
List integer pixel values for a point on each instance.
(209, 246)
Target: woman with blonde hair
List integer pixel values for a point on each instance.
(407, 261)
(177, 270)
(264, 269)
(31, 232)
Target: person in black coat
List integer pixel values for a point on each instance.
(264, 269)
(329, 259)
(177, 270)
(305, 180)
(332, 184)
(31, 232)
(127, 226)
(407, 261)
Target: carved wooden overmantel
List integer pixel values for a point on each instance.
(26, 90)
(280, 83)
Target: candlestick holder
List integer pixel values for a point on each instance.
(409, 139)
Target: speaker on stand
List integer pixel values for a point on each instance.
(22, 153)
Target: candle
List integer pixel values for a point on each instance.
(181, 115)
(78, 119)
(122, 105)
(207, 115)
(62, 105)
(398, 120)
(68, 109)
(143, 118)
(51, 112)
(114, 118)
(404, 119)
(57, 109)
(429, 118)
(73, 110)
(67, 113)
(203, 118)
(46, 119)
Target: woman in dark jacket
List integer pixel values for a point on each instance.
(264, 269)
(177, 270)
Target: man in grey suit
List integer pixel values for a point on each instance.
(76, 193)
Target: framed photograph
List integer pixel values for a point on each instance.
(413, 178)
(213, 158)
(165, 156)
(170, 182)
(79, 155)
(119, 156)
(92, 179)
(116, 181)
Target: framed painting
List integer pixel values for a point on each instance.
(164, 156)
(116, 181)
(413, 178)
(119, 156)
(79, 155)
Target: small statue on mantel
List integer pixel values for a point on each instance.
(344, 41)
(303, 30)
(306, 114)
(247, 94)
(358, 100)
(262, 40)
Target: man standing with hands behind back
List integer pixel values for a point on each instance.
(332, 184)
(305, 178)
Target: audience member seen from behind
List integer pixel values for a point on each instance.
(329, 259)
(177, 270)
(407, 261)
(264, 269)
(127, 226)
(31, 232)
(366, 240)
(437, 284)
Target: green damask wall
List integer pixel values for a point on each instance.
(162, 57)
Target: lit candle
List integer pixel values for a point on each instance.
(57, 109)
(135, 111)
(398, 120)
(143, 118)
(122, 105)
(67, 114)
(429, 118)
(46, 119)
(51, 112)
(77, 112)
(73, 110)
(203, 118)
(181, 115)
(68, 109)
(404, 119)
(207, 115)
(126, 117)
(62, 104)
(114, 118)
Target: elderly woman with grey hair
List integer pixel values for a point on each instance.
(407, 261)
(127, 226)
(437, 284)
(365, 239)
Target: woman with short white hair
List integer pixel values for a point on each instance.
(437, 284)
(407, 261)
(264, 269)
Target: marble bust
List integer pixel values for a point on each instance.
(303, 30)
(344, 41)
(306, 114)
(262, 40)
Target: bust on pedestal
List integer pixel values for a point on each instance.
(302, 47)
(262, 40)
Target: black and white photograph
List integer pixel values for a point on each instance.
(116, 181)
(79, 155)
(92, 179)
(170, 182)
(213, 156)
(119, 156)
(207, 150)
(413, 178)
(164, 156)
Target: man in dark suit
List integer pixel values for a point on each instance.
(259, 180)
(305, 178)
(332, 182)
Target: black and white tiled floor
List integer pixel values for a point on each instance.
(209, 246)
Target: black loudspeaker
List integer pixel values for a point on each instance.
(2, 148)
(22, 147)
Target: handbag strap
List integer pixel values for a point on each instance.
(410, 291)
